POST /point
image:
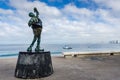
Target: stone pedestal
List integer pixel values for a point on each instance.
(33, 65)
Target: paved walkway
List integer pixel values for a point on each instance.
(85, 68)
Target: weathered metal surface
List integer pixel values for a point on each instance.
(33, 65)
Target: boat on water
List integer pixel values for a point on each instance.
(67, 47)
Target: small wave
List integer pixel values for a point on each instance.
(8, 55)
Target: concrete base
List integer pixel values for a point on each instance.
(93, 53)
(33, 65)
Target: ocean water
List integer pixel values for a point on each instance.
(12, 50)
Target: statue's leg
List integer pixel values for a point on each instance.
(31, 45)
(38, 40)
(38, 45)
(34, 39)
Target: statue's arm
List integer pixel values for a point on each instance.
(29, 23)
(36, 11)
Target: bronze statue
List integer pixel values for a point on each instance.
(36, 24)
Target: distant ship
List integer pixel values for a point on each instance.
(67, 47)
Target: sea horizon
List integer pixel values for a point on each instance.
(8, 50)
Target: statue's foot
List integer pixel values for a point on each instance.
(41, 49)
(37, 49)
(29, 49)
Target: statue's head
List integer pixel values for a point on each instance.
(31, 14)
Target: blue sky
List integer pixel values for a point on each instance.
(64, 21)
(78, 3)
(57, 3)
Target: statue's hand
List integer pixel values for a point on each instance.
(35, 9)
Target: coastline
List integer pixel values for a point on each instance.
(84, 68)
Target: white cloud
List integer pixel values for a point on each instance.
(2, 11)
(114, 4)
(69, 24)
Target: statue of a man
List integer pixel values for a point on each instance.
(36, 24)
